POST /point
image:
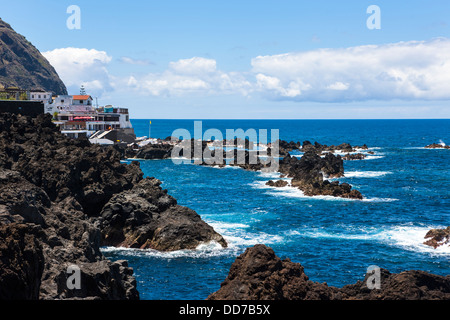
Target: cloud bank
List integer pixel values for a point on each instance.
(80, 66)
(413, 70)
(404, 70)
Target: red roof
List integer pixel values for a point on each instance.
(84, 97)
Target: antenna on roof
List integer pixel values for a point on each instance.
(82, 90)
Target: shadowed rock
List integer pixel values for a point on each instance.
(438, 237)
(72, 191)
(437, 146)
(258, 274)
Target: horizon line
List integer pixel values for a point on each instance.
(284, 119)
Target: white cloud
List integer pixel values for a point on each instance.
(186, 76)
(77, 66)
(195, 66)
(140, 62)
(338, 86)
(411, 70)
(404, 70)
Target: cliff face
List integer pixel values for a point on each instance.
(22, 65)
(62, 199)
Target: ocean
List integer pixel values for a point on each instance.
(406, 191)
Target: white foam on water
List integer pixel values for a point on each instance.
(272, 175)
(221, 226)
(366, 174)
(407, 237)
(204, 250)
(376, 199)
(293, 192)
(237, 236)
(412, 238)
(442, 143)
(224, 167)
(373, 157)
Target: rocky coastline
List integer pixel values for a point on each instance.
(259, 274)
(310, 173)
(62, 199)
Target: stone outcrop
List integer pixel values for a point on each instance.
(258, 274)
(438, 237)
(322, 148)
(62, 199)
(309, 171)
(23, 66)
(354, 156)
(46, 238)
(21, 261)
(278, 183)
(437, 146)
(154, 151)
(147, 217)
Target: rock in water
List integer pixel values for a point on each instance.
(308, 175)
(23, 66)
(437, 146)
(278, 183)
(258, 274)
(147, 217)
(438, 237)
(354, 156)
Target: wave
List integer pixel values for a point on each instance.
(376, 199)
(224, 167)
(366, 174)
(374, 157)
(271, 175)
(407, 237)
(204, 250)
(292, 192)
(237, 236)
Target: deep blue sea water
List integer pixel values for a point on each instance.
(406, 190)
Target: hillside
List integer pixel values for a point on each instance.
(22, 65)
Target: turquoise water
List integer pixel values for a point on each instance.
(406, 190)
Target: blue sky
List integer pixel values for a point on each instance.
(248, 59)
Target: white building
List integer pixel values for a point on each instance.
(40, 95)
(44, 96)
(76, 116)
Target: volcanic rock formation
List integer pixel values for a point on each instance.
(258, 274)
(62, 199)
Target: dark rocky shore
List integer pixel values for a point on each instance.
(309, 173)
(258, 274)
(62, 199)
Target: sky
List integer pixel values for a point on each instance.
(197, 59)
